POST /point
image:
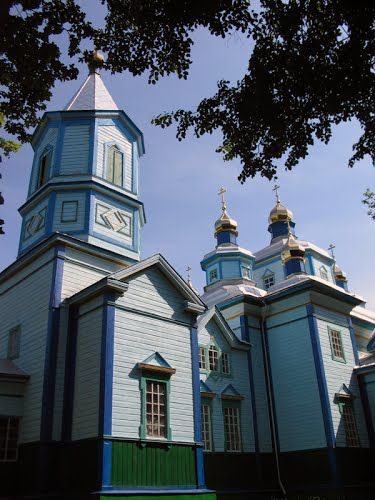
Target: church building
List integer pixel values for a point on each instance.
(119, 381)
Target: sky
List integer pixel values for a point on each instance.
(180, 180)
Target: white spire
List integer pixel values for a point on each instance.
(93, 94)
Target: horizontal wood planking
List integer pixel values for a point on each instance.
(21, 305)
(75, 150)
(136, 338)
(275, 267)
(231, 269)
(87, 376)
(362, 336)
(239, 378)
(338, 373)
(25, 243)
(110, 134)
(299, 415)
(77, 213)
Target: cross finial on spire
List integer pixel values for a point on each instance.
(330, 248)
(188, 269)
(221, 192)
(276, 192)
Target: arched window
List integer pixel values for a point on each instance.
(115, 166)
(44, 166)
(323, 273)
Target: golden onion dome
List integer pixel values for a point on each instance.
(292, 249)
(339, 273)
(225, 223)
(280, 213)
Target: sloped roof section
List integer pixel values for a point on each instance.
(10, 370)
(92, 95)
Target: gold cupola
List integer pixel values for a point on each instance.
(225, 226)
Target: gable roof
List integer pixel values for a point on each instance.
(156, 359)
(194, 303)
(215, 315)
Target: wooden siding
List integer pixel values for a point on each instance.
(111, 134)
(152, 465)
(338, 373)
(239, 378)
(75, 150)
(87, 374)
(275, 267)
(153, 293)
(25, 243)
(102, 229)
(49, 139)
(78, 224)
(318, 263)
(231, 269)
(21, 305)
(362, 336)
(299, 415)
(136, 338)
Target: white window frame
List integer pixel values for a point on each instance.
(213, 275)
(213, 358)
(336, 343)
(225, 363)
(202, 358)
(232, 428)
(153, 409)
(206, 426)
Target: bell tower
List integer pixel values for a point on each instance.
(84, 179)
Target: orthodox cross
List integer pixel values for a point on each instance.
(188, 269)
(276, 193)
(221, 193)
(330, 248)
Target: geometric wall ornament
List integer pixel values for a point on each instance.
(113, 219)
(35, 223)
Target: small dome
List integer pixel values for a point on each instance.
(225, 223)
(292, 249)
(280, 213)
(339, 273)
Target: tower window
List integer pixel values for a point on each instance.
(268, 281)
(232, 429)
(225, 366)
(9, 428)
(337, 349)
(44, 165)
(206, 427)
(14, 342)
(350, 426)
(156, 409)
(246, 273)
(213, 358)
(115, 166)
(213, 275)
(202, 358)
(323, 273)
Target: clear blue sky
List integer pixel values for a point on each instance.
(180, 180)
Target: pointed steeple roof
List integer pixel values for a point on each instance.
(93, 94)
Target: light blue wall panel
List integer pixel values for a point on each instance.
(299, 416)
(73, 218)
(75, 150)
(231, 269)
(239, 378)
(286, 317)
(338, 373)
(39, 217)
(275, 267)
(110, 134)
(318, 263)
(87, 373)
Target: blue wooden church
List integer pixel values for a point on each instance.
(119, 381)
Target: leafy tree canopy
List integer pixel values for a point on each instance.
(312, 66)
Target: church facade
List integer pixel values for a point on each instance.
(118, 380)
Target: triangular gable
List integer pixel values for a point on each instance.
(231, 393)
(215, 315)
(344, 394)
(267, 272)
(195, 304)
(206, 391)
(156, 359)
